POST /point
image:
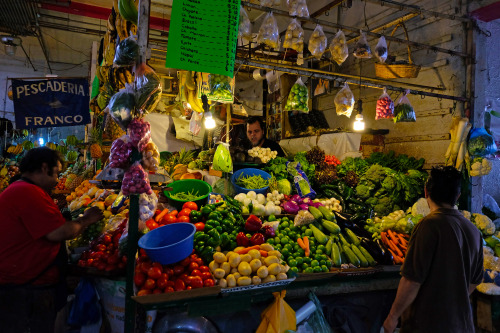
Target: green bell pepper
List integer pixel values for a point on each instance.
(224, 239)
(215, 216)
(207, 254)
(195, 216)
(214, 239)
(206, 210)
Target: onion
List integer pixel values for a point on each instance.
(297, 199)
(307, 201)
(304, 206)
(316, 204)
(291, 207)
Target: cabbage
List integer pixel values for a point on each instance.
(223, 186)
(284, 186)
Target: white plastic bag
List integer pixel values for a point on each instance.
(344, 101)
(294, 36)
(338, 48)
(195, 123)
(268, 32)
(245, 26)
(317, 42)
(270, 3)
(381, 49)
(362, 49)
(298, 8)
(298, 97)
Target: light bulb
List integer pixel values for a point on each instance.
(209, 121)
(359, 124)
(188, 105)
(40, 141)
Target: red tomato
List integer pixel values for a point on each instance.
(195, 282)
(164, 276)
(145, 266)
(178, 269)
(124, 259)
(184, 219)
(170, 283)
(82, 263)
(143, 292)
(179, 285)
(142, 253)
(209, 283)
(154, 273)
(113, 259)
(149, 284)
(116, 238)
(204, 268)
(157, 264)
(206, 275)
(101, 266)
(184, 212)
(169, 271)
(101, 247)
(139, 279)
(200, 226)
(157, 212)
(193, 265)
(185, 262)
(107, 239)
(110, 268)
(184, 277)
(121, 265)
(189, 288)
(157, 291)
(169, 289)
(199, 261)
(151, 224)
(161, 283)
(169, 219)
(190, 205)
(196, 272)
(96, 254)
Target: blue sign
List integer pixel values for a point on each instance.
(51, 102)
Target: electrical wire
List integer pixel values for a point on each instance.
(59, 41)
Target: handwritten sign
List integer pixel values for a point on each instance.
(203, 35)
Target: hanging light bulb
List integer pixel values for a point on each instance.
(359, 124)
(209, 120)
(41, 142)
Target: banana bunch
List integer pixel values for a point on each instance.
(109, 46)
(16, 150)
(128, 10)
(120, 76)
(121, 27)
(188, 91)
(51, 145)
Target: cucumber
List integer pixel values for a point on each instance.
(353, 259)
(367, 255)
(318, 234)
(336, 258)
(326, 213)
(354, 239)
(343, 240)
(362, 260)
(329, 246)
(331, 226)
(316, 213)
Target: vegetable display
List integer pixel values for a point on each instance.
(251, 182)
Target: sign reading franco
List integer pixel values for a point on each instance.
(51, 102)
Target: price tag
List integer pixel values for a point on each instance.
(203, 35)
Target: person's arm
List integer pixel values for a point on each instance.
(71, 229)
(406, 294)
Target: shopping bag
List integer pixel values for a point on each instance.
(278, 317)
(222, 159)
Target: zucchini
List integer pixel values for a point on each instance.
(326, 213)
(318, 234)
(329, 246)
(354, 239)
(362, 260)
(316, 213)
(343, 240)
(368, 256)
(336, 258)
(353, 259)
(331, 226)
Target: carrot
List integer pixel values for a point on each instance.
(397, 259)
(245, 250)
(160, 216)
(402, 240)
(301, 243)
(392, 236)
(307, 250)
(391, 245)
(263, 253)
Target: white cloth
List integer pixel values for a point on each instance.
(161, 135)
(338, 144)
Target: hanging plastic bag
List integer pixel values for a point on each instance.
(147, 206)
(294, 37)
(136, 181)
(317, 320)
(220, 88)
(403, 111)
(268, 32)
(317, 42)
(298, 8)
(245, 26)
(121, 107)
(120, 153)
(277, 317)
(270, 3)
(298, 97)
(148, 90)
(381, 49)
(300, 180)
(492, 123)
(362, 49)
(195, 123)
(385, 107)
(480, 142)
(127, 52)
(338, 48)
(150, 157)
(344, 101)
(85, 308)
(222, 159)
(140, 133)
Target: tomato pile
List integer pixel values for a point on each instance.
(104, 253)
(155, 278)
(189, 214)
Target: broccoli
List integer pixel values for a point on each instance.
(363, 191)
(380, 193)
(418, 175)
(372, 201)
(389, 183)
(384, 206)
(375, 174)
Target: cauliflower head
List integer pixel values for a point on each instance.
(483, 223)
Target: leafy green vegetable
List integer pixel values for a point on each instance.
(355, 164)
(277, 167)
(375, 173)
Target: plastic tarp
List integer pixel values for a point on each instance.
(166, 140)
(339, 144)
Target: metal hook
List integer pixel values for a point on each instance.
(422, 96)
(327, 13)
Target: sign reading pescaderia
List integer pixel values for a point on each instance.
(51, 102)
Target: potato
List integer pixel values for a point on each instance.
(225, 266)
(219, 273)
(281, 276)
(266, 247)
(233, 270)
(213, 266)
(244, 268)
(228, 254)
(246, 257)
(255, 254)
(269, 278)
(256, 279)
(274, 269)
(283, 269)
(271, 260)
(238, 248)
(223, 283)
(274, 253)
(262, 272)
(234, 260)
(236, 275)
(231, 281)
(244, 281)
(219, 257)
(255, 265)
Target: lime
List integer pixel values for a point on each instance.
(289, 247)
(328, 263)
(317, 269)
(270, 241)
(307, 260)
(284, 240)
(314, 263)
(292, 262)
(308, 233)
(294, 270)
(318, 251)
(322, 262)
(287, 229)
(277, 240)
(299, 260)
(322, 248)
(308, 270)
(324, 269)
(301, 252)
(285, 253)
(303, 228)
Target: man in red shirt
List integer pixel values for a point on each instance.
(32, 230)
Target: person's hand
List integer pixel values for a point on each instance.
(390, 324)
(92, 215)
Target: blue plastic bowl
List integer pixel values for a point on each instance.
(249, 172)
(170, 243)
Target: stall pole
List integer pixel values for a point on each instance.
(133, 225)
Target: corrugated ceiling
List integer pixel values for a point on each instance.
(18, 17)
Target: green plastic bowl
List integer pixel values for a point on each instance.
(188, 185)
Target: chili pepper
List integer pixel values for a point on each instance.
(257, 239)
(268, 231)
(242, 239)
(253, 223)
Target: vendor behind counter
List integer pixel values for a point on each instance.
(255, 130)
